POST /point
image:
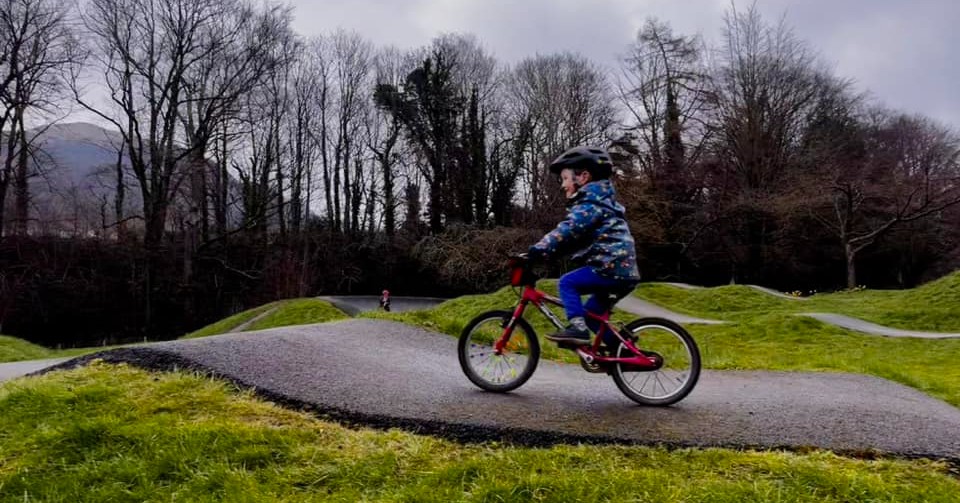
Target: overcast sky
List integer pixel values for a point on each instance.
(903, 51)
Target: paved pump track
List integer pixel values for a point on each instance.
(388, 374)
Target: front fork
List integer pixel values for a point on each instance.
(508, 328)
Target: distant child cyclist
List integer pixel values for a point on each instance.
(596, 232)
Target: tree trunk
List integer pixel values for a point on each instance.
(436, 207)
(281, 201)
(389, 216)
(337, 161)
(3, 201)
(118, 199)
(851, 255)
(223, 187)
(21, 186)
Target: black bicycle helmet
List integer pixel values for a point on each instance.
(594, 160)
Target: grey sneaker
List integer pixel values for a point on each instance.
(576, 333)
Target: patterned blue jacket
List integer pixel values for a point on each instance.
(596, 226)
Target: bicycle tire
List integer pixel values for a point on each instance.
(621, 373)
(473, 353)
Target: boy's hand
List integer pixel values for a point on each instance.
(535, 253)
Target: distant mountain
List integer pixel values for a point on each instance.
(74, 183)
(77, 149)
(73, 179)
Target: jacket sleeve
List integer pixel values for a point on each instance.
(579, 221)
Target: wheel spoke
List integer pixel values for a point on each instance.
(679, 365)
(492, 371)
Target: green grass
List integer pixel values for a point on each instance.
(13, 349)
(115, 433)
(284, 313)
(299, 312)
(794, 343)
(229, 323)
(930, 307)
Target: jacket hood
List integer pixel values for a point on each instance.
(601, 193)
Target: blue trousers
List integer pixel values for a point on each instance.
(583, 281)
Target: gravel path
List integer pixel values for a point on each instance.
(389, 374)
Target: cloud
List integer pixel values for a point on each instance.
(904, 53)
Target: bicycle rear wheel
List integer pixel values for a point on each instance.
(498, 372)
(677, 373)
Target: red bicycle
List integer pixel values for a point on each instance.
(656, 361)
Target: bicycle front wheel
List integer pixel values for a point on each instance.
(678, 363)
(481, 363)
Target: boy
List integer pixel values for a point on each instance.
(596, 226)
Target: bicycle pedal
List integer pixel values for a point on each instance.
(571, 345)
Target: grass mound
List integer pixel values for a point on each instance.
(724, 302)
(229, 323)
(929, 307)
(945, 290)
(278, 314)
(114, 433)
(13, 349)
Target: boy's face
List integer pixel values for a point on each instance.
(571, 182)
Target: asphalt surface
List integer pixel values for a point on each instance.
(17, 369)
(643, 308)
(388, 374)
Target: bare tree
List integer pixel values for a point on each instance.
(303, 122)
(38, 50)
(664, 87)
(884, 170)
(763, 93)
(351, 65)
(385, 128)
(555, 102)
(154, 58)
(244, 50)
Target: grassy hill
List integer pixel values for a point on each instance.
(932, 307)
(275, 314)
(13, 349)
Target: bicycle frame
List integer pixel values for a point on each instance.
(588, 353)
